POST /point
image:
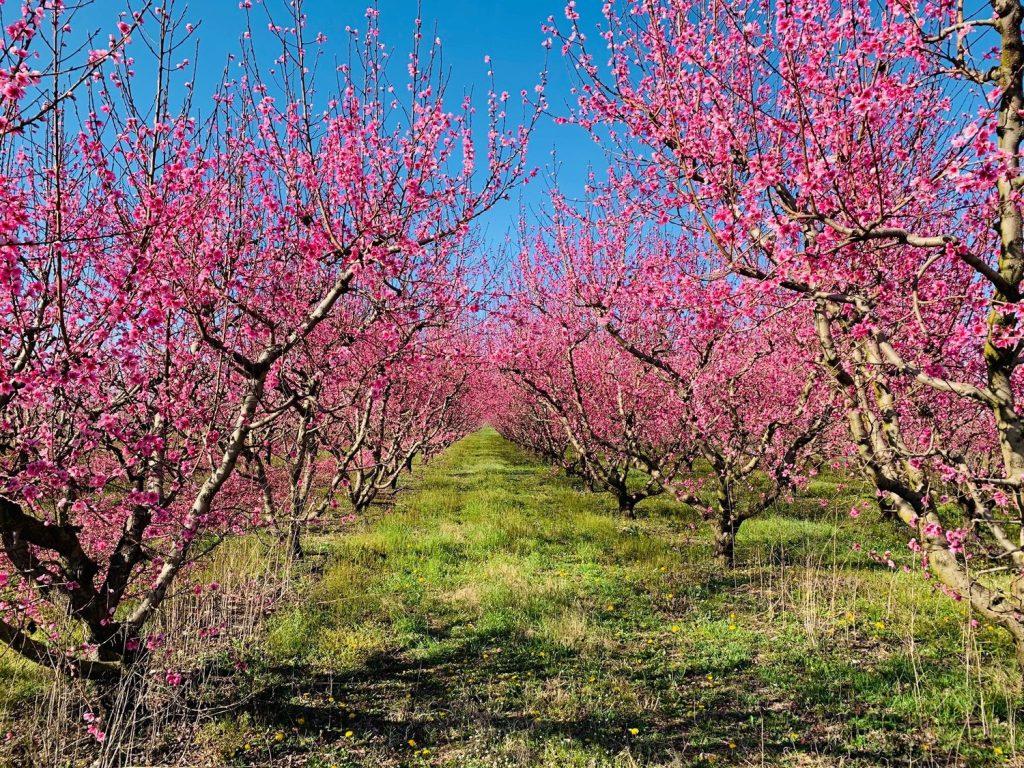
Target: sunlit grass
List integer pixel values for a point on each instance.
(500, 615)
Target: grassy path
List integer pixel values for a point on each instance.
(502, 617)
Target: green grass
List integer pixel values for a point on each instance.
(500, 616)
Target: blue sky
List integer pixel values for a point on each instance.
(509, 31)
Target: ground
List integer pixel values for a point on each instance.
(502, 616)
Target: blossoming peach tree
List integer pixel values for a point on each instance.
(864, 159)
(587, 395)
(162, 275)
(680, 376)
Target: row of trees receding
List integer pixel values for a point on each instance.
(222, 317)
(808, 248)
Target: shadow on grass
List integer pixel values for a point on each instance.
(383, 711)
(562, 635)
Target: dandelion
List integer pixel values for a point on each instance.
(349, 734)
(412, 742)
(279, 736)
(634, 731)
(675, 627)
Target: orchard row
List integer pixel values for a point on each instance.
(806, 251)
(252, 319)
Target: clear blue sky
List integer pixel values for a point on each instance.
(506, 30)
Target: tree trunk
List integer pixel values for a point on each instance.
(725, 542)
(726, 522)
(294, 541)
(627, 506)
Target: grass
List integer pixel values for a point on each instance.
(500, 616)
